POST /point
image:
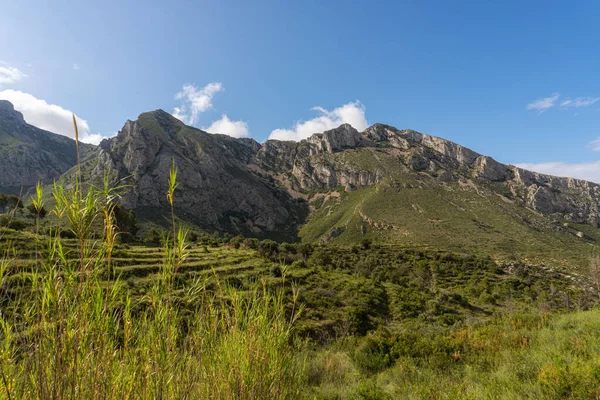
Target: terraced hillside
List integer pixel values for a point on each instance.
(138, 265)
(345, 289)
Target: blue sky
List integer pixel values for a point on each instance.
(513, 80)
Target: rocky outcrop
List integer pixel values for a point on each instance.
(488, 169)
(317, 174)
(343, 137)
(574, 199)
(29, 155)
(306, 162)
(217, 191)
(379, 225)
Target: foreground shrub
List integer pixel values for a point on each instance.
(373, 353)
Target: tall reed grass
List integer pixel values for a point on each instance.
(78, 335)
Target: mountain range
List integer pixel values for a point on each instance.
(342, 186)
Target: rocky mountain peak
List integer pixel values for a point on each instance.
(161, 116)
(152, 126)
(159, 122)
(9, 114)
(379, 132)
(321, 162)
(340, 138)
(216, 191)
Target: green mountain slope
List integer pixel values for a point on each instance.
(407, 188)
(410, 210)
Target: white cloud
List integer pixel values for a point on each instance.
(195, 101)
(595, 144)
(541, 105)
(10, 74)
(50, 117)
(590, 171)
(76, 66)
(238, 129)
(579, 102)
(352, 113)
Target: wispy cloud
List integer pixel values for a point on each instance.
(47, 116)
(76, 66)
(590, 171)
(352, 113)
(543, 104)
(10, 74)
(579, 102)
(226, 126)
(195, 101)
(595, 144)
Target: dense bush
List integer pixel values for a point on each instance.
(374, 352)
(268, 248)
(153, 237)
(251, 243)
(10, 202)
(13, 223)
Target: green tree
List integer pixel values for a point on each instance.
(10, 202)
(33, 212)
(267, 247)
(153, 237)
(3, 202)
(127, 223)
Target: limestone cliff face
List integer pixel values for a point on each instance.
(575, 199)
(29, 155)
(310, 168)
(217, 190)
(306, 162)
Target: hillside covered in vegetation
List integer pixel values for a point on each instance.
(405, 266)
(188, 315)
